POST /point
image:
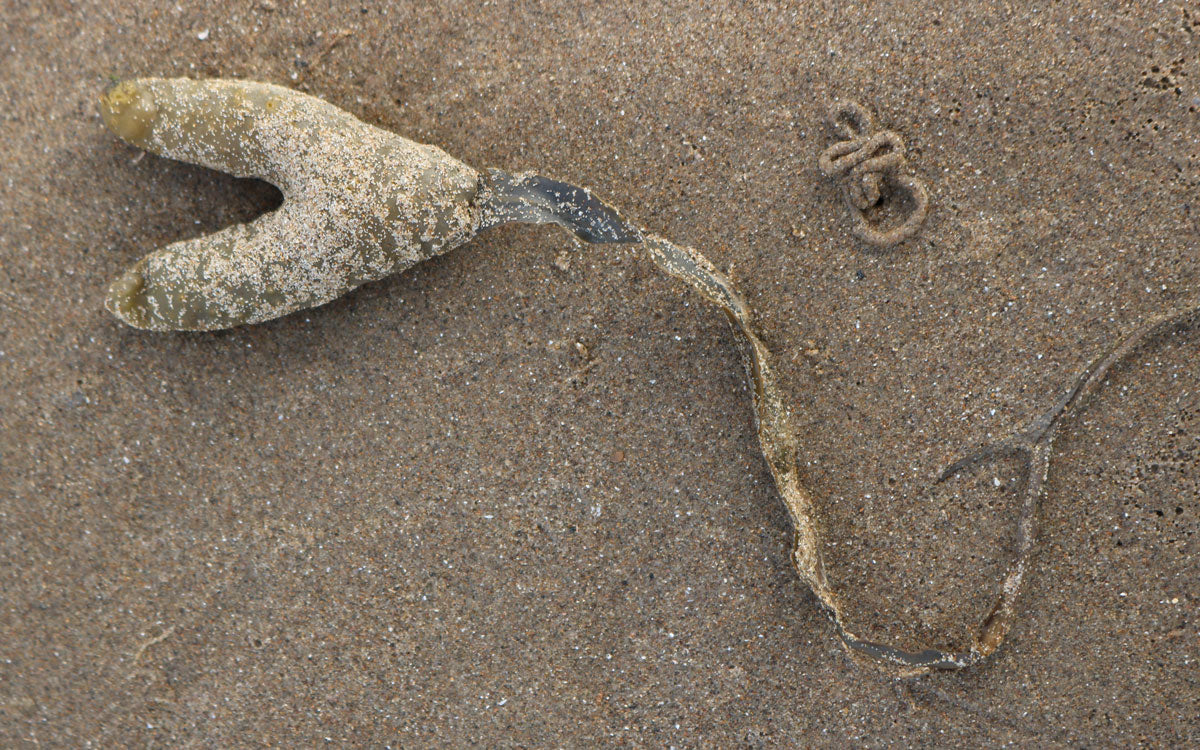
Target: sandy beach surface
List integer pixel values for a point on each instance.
(515, 496)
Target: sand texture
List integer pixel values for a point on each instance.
(514, 496)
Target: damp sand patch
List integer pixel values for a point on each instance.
(361, 203)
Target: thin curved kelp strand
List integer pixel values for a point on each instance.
(771, 414)
(532, 199)
(1034, 446)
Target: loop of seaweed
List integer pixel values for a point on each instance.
(866, 164)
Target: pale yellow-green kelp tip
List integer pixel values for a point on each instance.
(360, 203)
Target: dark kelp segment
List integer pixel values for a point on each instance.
(409, 202)
(532, 199)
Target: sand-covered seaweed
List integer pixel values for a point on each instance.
(360, 203)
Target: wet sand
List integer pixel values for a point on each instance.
(515, 495)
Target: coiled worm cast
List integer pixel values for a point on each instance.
(360, 203)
